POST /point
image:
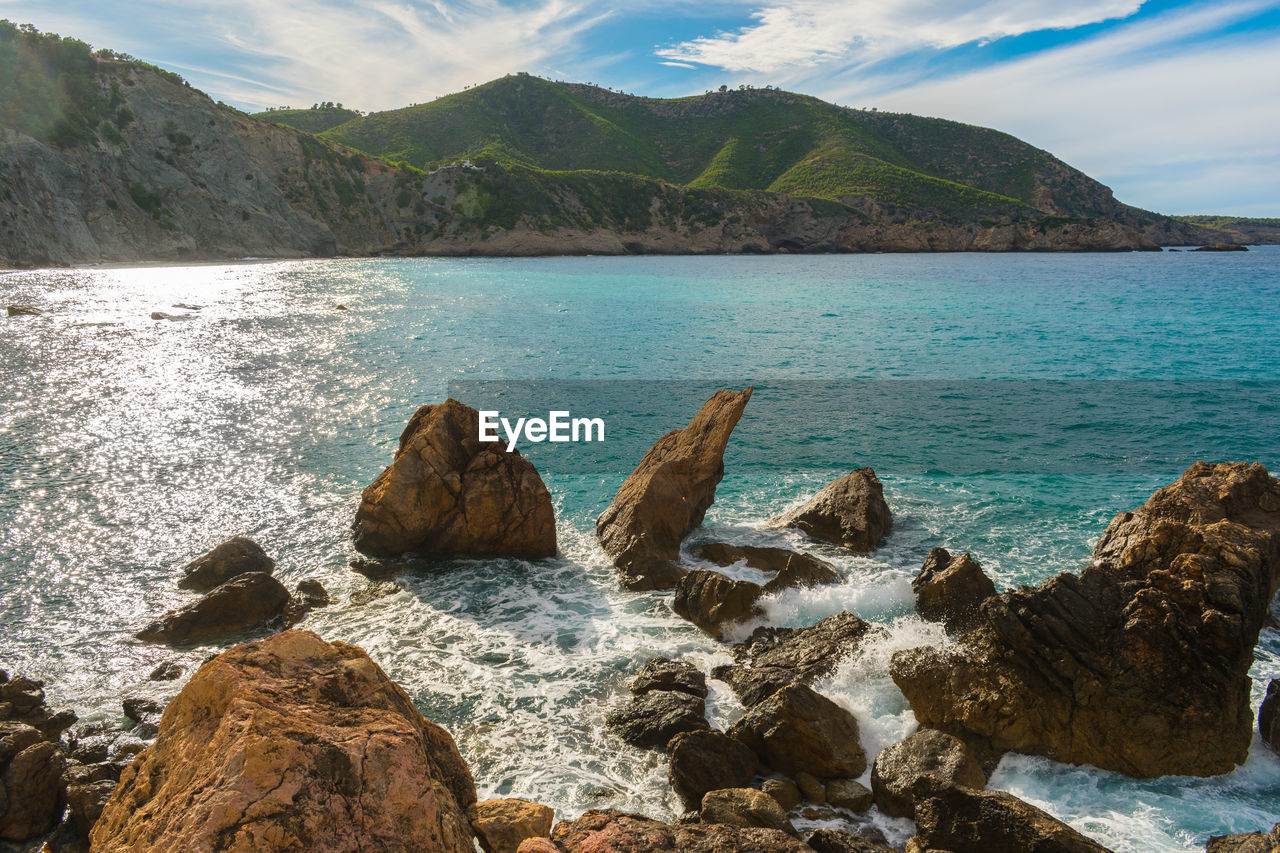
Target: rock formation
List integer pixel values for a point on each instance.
(797, 729)
(23, 311)
(652, 718)
(789, 568)
(744, 807)
(837, 841)
(244, 602)
(1246, 842)
(502, 825)
(292, 743)
(899, 768)
(32, 790)
(668, 494)
(1269, 716)
(849, 511)
(1139, 664)
(956, 819)
(234, 557)
(703, 761)
(951, 590)
(447, 492)
(611, 831)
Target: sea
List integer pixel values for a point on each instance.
(1010, 404)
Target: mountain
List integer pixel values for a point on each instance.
(315, 120)
(105, 158)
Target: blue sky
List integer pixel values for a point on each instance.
(1175, 104)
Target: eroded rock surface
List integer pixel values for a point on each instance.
(850, 511)
(447, 492)
(962, 820)
(244, 602)
(1246, 842)
(1139, 664)
(1269, 716)
(797, 729)
(611, 831)
(31, 789)
(292, 743)
(899, 768)
(668, 495)
(237, 556)
(703, 761)
(745, 807)
(950, 589)
(502, 825)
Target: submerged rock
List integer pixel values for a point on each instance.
(611, 831)
(797, 729)
(667, 674)
(447, 492)
(668, 494)
(951, 590)
(234, 557)
(744, 807)
(1139, 664)
(849, 511)
(23, 311)
(703, 761)
(167, 671)
(1222, 247)
(962, 820)
(244, 602)
(927, 753)
(789, 568)
(1269, 716)
(292, 743)
(1246, 842)
(502, 826)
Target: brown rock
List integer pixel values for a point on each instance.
(668, 494)
(1140, 664)
(850, 511)
(849, 794)
(951, 590)
(22, 701)
(775, 657)
(447, 492)
(1222, 247)
(899, 767)
(837, 841)
(789, 568)
(87, 801)
(23, 311)
(166, 671)
(312, 592)
(703, 761)
(30, 782)
(292, 743)
(811, 788)
(610, 831)
(244, 602)
(538, 845)
(652, 719)
(786, 792)
(1246, 842)
(502, 825)
(798, 729)
(234, 557)
(711, 600)
(744, 807)
(667, 674)
(962, 820)
(1269, 716)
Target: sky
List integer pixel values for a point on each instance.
(1174, 104)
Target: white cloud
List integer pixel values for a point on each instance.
(805, 33)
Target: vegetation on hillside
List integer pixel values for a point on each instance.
(318, 119)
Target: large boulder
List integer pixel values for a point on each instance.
(799, 730)
(668, 495)
(22, 700)
(1269, 716)
(1246, 842)
(502, 825)
(667, 674)
(772, 658)
(244, 602)
(1139, 664)
(963, 820)
(447, 492)
(611, 831)
(838, 841)
(848, 511)
(292, 743)
(237, 556)
(744, 807)
(899, 768)
(703, 761)
(31, 788)
(950, 589)
(651, 719)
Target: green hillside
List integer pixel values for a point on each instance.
(745, 139)
(314, 120)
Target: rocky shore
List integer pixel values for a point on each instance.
(287, 741)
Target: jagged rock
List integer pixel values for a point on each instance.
(951, 590)
(1140, 664)
(745, 807)
(538, 845)
(160, 315)
(849, 794)
(1246, 842)
(373, 591)
(292, 743)
(23, 311)
(312, 592)
(1269, 716)
(86, 802)
(786, 792)
(611, 831)
(140, 708)
(789, 568)
(167, 671)
(703, 761)
(1221, 247)
(838, 841)
(654, 718)
(244, 602)
(447, 492)
(711, 600)
(772, 658)
(667, 674)
(811, 788)
(668, 494)
(22, 701)
(31, 790)
(234, 557)
(962, 820)
(900, 766)
(502, 825)
(849, 511)
(797, 729)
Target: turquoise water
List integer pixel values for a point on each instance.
(1010, 404)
